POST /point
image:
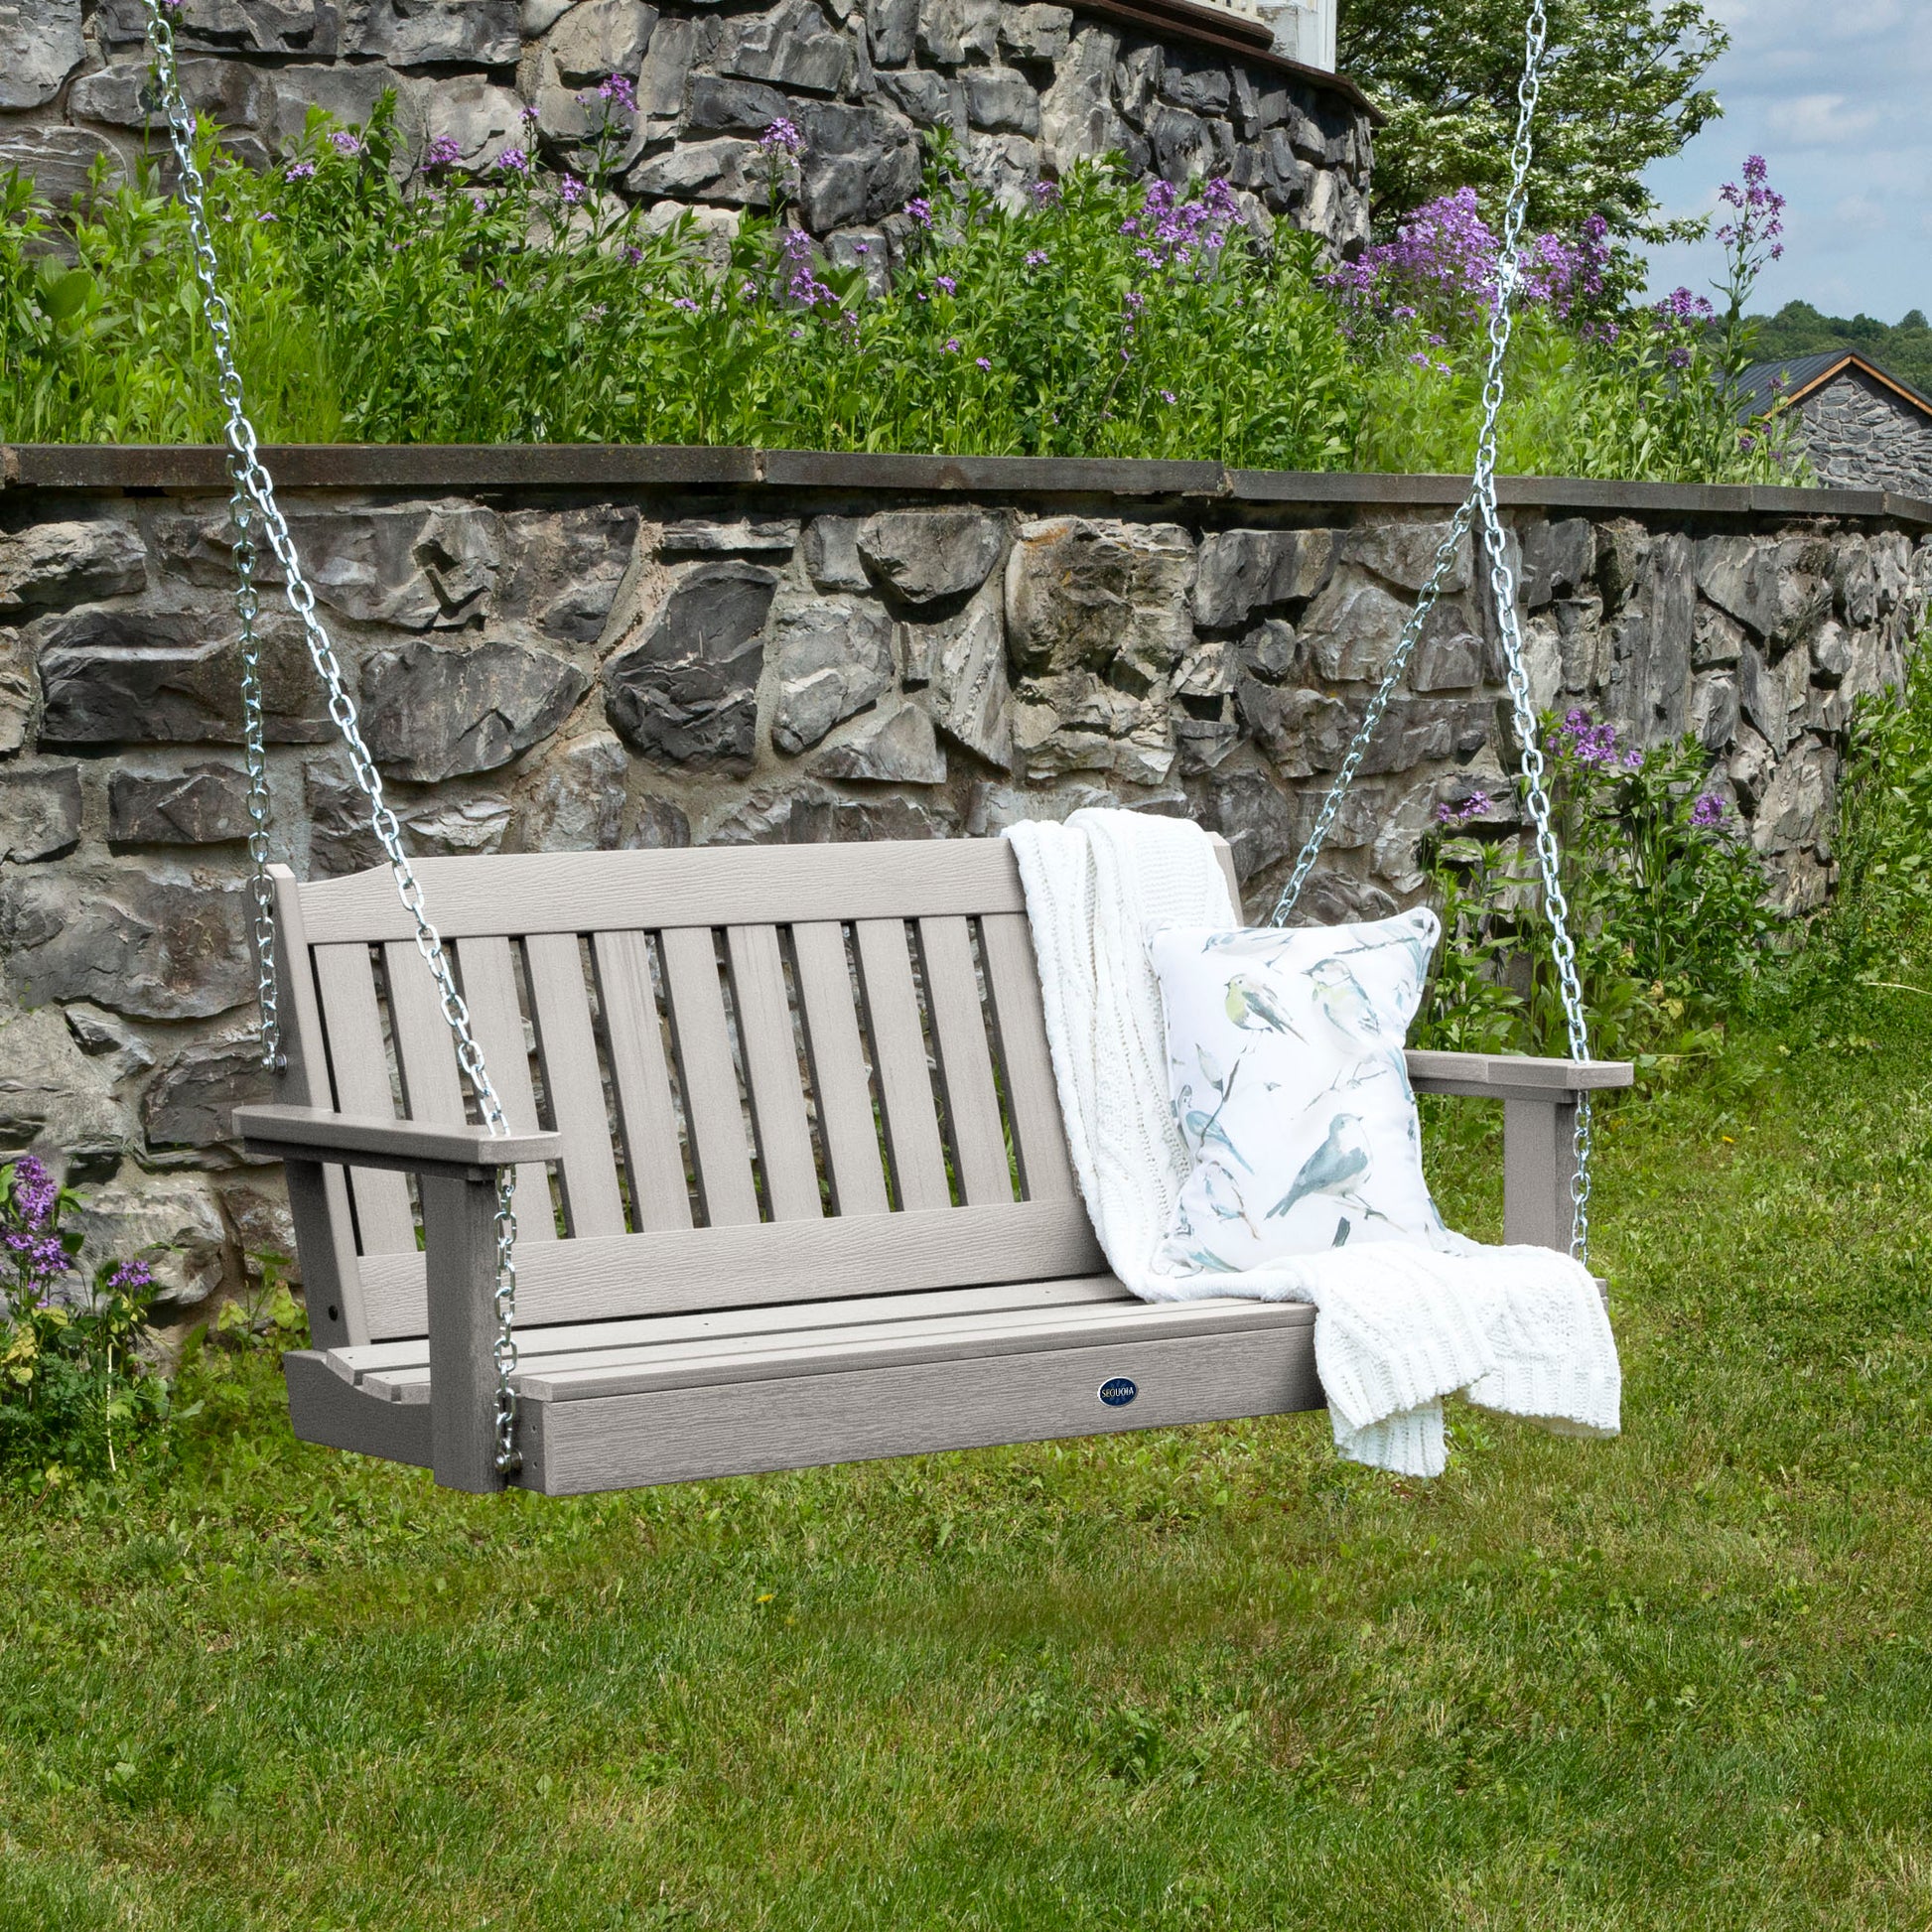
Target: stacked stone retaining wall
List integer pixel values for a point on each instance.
(563, 649)
(1026, 89)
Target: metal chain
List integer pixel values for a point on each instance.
(247, 603)
(1480, 507)
(254, 487)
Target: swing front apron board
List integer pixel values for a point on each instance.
(811, 1202)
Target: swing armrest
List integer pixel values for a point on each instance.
(1514, 1076)
(412, 1146)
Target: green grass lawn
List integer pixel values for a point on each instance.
(1209, 1678)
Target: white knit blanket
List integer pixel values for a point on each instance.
(1396, 1326)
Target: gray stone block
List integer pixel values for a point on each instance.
(190, 1102)
(716, 103)
(49, 566)
(687, 691)
(891, 28)
(1351, 629)
(307, 28)
(174, 1221)
(1404, 554)
(1245, 571)
(896, 747)
(1035, 32)
(953, 30)
(432, 712)
(202, 804)
(832, 558)
(58, 159)
(122, 938)
(40, 46)
(1559, 560)
(928, 556)
(834, 659)
(795, 45)
(1003, 99)
(40, 811)
(861, 164)
(136, 677)
(573, 801)
(657, 825)
(1202, 86)
(961, 662)
(565, 569)
(599, 38)
(735, 536)
(930, 100)
(229, 93)
(1100, 593)
(56, 1102)
(446, 33)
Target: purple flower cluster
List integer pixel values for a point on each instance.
(301, 170)
(1036, 258)
(1472, 807)
(1046, 193)
(27, 1228)
(1588, 742)
(1443, 264)
(618, 91)
(571, 190)
(782, 137)
(344, 143)
(442, 152)
(1178, 233)
(802, 279)
(1759, 216)
(920, 210)
(1708, 811)
(514, 161)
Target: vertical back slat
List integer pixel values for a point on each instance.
(709, 1077)
(346, 981)
(431, 1088)
(898, 1049)
(840, 1080)
(490, 992)
(1013, 980)
(952, 992)
(764, 1034)
(567, 1044)
(652, 1154)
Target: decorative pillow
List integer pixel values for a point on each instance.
(1286, 1071)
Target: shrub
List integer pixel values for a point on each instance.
(72, 1378)
(1666, 896)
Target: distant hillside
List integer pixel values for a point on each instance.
(1904, 348)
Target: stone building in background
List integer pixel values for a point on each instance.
(1860, 426)
(1180, 90)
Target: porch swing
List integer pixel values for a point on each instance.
(897, 1263)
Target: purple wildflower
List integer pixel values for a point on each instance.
(1036, 258)
(1707, 811)
(268, 216)
(945, 284)
(529, 115)
(952, 345)
(802, 284)
(514, 161)
(685, 303)
(34, 1192)
(1473, 806)
(980, 363)
(344, 143)
(1587, 741)
(570, 190)
(782, 137)
(1169, 397)
(301, 170)
(1753, 237)
(131, 1276)
(920, 210)
(442, 152)
(618, 91)
(1046, 193)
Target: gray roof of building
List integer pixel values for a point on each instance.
(1764, 385)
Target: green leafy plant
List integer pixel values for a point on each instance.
(72, 1381)
(1667, 903)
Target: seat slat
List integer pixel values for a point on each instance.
(495, 1017)
(965, 1065)
(762, 1264)
(622, 1370)
(840, 1079)
(574, 1081)
(1013, 981)
(708, 1077)
(536, 1344)
(653, 1155)
(899, 1050)
(764, 1034)
(346, 981)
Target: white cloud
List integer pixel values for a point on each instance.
(1821, 120)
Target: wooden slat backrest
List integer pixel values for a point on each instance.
(737, 1046)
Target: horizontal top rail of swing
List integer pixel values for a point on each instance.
(709, 886)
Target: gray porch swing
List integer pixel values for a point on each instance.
(895, 1259)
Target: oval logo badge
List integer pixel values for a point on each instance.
(1118, 1391)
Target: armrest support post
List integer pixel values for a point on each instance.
(460, 1249)
(1539, 1161)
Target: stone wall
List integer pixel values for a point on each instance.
(1026, 89)
(564, 649)
(1860, 434)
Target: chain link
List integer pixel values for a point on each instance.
(254, 503)
(1481, 507)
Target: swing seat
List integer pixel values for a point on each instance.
(790, 1180)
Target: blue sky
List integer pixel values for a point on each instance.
(1836, 95)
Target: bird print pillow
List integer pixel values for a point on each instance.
(1284, 1064)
